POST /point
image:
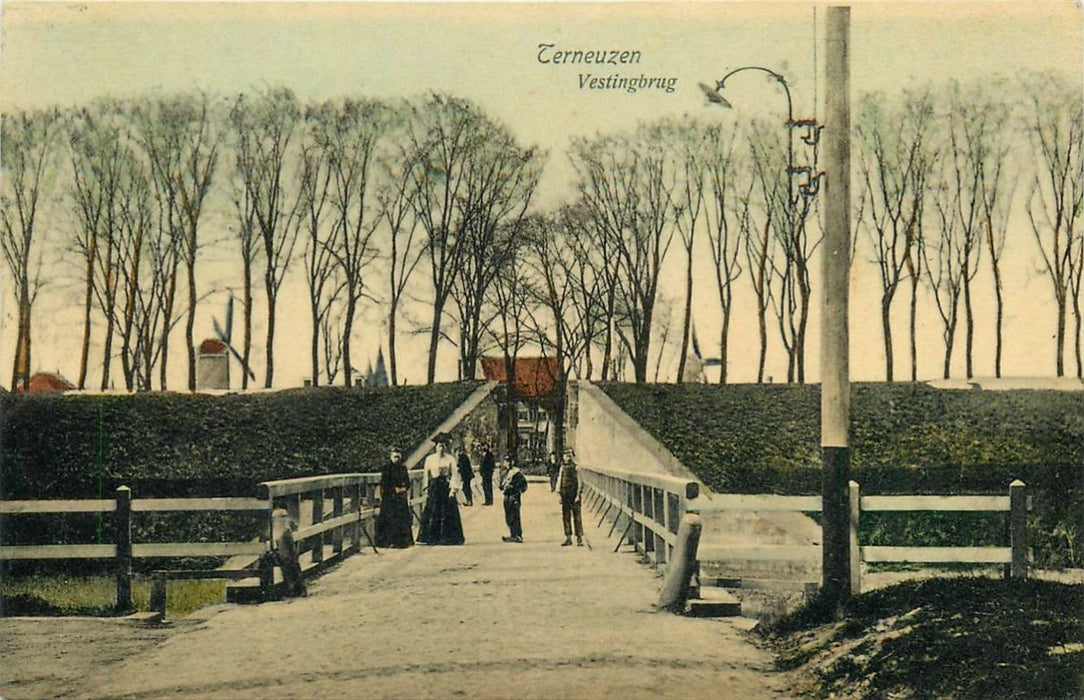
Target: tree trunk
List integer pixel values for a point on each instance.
(969, 326)
(246, 313)
(724, 346)
(999, 315)
(1060, 342)
(886, 330)
(315, 346)
(190, 323)
(391, 343)
(434, 340)
(167, 319)
(348, 329)
(269, 369)
(688, 316)
(913, 321)
(762, 324)
(88, 302)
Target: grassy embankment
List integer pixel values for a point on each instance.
(953, 637)
(162, 445)
(940, 638)
(906, 438)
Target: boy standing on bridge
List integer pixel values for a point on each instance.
(570, 490)
(513, 484)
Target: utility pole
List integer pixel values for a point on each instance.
(835, 380)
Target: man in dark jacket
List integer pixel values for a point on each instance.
(569, 487)
(553, 468)
(513, 484)
(466, 473)
(489, 465)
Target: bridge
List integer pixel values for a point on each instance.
(486, 619)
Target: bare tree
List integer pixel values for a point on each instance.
(894, 164)
(315, 183)
(27, 164)
(1055, 122)
(98, 150)
(264, 127)
(976, 152)
(627, 184)
(442, 133)
(404, 244)
(788, 206)
(693, 159)
(946, 255)
(499, 182)
(351, 134)
(727, 216)
(759, 242)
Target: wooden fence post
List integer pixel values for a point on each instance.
(675, 587)
(336, 512)
(318, 517)
(355, 507)
(124, 549)
(267, 559)
(158, 595)
(1018, 528)
(854, 503)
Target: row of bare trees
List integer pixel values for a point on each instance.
(939, 174)
(361, 195)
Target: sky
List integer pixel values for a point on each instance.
(69, 54)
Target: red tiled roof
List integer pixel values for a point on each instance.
(534, 376)
(212, 346)
(48, 381)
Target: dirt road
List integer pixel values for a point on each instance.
(486, 620)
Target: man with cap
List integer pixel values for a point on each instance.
(568, 485)
(393, 526)
(489, 465)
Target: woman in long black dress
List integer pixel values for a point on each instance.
(440, 519)
(393, 526)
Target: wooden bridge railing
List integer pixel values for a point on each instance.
(124, 550)
(331, 515)
(1015, 554)
(651, 506)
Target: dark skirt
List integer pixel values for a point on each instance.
(440, 519)
(393, 524)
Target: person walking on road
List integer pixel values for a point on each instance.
(571, 491)
(489, 465)
(513, 484)
(393, 524)
(553, 467)
(466, 473)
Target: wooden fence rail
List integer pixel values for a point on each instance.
(1015, 554)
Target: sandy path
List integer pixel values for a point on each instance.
(488, 619)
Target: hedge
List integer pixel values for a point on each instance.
(906, 438)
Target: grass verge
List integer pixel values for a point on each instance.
(952, 637)
(96, 595)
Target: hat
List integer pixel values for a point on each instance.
(395, 448)
(442, 438)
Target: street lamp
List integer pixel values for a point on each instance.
(809, 184)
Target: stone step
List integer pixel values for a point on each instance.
(714, 602)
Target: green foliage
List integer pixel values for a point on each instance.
(71, 446)
(96, 595)
(177, 445)
(905, 438)
(955, 637)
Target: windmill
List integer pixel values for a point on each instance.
(697, 363)
(225, 335)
